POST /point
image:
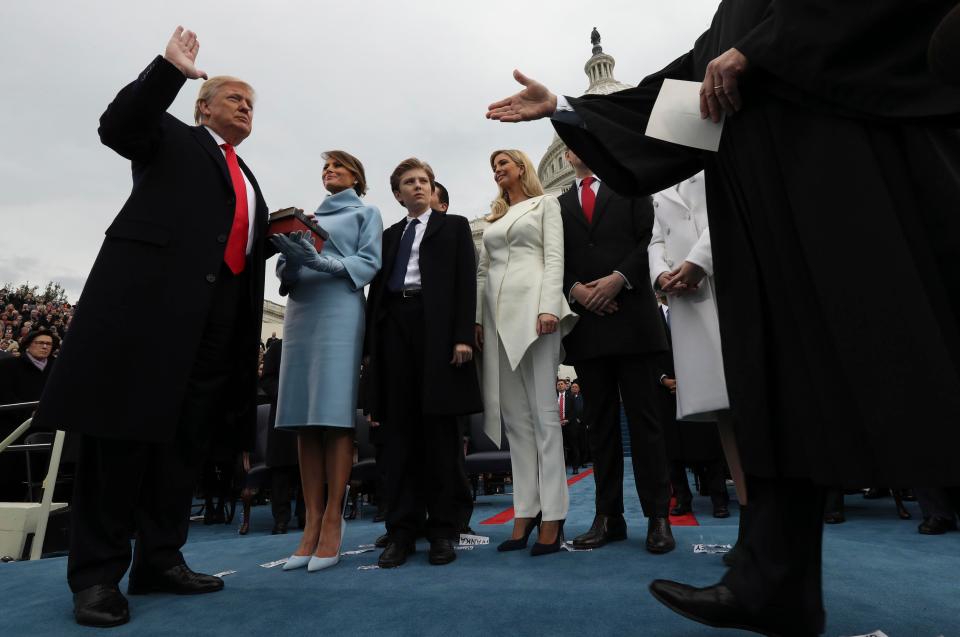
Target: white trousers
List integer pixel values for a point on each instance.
(528, 403)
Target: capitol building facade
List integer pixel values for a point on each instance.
(555, 173)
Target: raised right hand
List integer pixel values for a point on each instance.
(182, 52)
(533, 102)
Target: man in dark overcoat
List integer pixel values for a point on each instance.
(615, 348)
(191, 238)
(420, 315)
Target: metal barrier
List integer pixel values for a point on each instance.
(31, 517)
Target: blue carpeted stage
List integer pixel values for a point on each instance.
(879, 575)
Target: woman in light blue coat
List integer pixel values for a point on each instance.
(323, 340)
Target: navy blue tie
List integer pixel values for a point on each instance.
(399, 273)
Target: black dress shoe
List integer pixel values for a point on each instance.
(382, 541)
(682, 508)
(659, 536)
(280, 528)
(466, 530)
(834, 517)
(721, 511)
(395, 554)
(178, 580)
(441, 552)
(100, 605)
(936, 526)
(718, 607)
(605, 528)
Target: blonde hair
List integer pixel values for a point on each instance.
(209, 88)
(529, 182)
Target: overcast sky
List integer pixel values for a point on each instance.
(381, 79)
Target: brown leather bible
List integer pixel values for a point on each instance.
(287, 220)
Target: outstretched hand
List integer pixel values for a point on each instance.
(535, 101)
(720, 91)
(182, 52)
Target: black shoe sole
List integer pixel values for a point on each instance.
(147, 590)
(660, 550)
(592, 545)
(712, 624)
(119, 622)
(440, 561)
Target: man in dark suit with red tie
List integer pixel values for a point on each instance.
(190, 238)
(615, 347)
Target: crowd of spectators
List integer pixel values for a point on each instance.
(23, 311)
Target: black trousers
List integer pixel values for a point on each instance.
(680, 483)
(422, 453)
(465, 489)
(571, 443)
(780, 573)
(603, 382)
(127, 488)
(283, 481)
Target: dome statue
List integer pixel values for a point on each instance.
(555, 173)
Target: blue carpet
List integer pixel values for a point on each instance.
(879, 574)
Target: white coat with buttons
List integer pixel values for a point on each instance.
(681, 233)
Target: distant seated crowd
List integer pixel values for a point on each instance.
(23, 312)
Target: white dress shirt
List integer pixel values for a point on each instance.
(412, 280)
(251, 195)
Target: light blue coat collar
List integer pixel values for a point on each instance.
(344, 199)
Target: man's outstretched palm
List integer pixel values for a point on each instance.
(533, 102)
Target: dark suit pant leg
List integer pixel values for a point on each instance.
(105, 494)
(780, 573)
(464, 489)
(443, 481)
(638, 378)
(680, 482)
(282, 481)
(601, 397)
(936, 502)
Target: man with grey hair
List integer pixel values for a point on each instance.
(191, 236)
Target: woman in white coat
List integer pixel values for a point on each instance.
(522, 316)
(681, 264)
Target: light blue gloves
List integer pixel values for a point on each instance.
(299, 251)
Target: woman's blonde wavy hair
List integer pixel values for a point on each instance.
(528, 180)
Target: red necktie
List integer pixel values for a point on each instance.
(587, 198)
(563, 407)
(235, 255)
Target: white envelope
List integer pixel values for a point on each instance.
(676, 117)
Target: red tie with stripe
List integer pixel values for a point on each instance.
(587, 198)
(235, 256)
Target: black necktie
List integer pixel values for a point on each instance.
(395, 284)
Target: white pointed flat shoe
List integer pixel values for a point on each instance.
(296, 561)
(320, 563)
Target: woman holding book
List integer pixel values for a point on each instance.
(323, 339)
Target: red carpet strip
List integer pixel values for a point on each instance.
(505, 516)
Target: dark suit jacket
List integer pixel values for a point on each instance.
(118, 375)
(449, 283)
(20, 382)
(617, 239)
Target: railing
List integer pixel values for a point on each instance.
(46, 501)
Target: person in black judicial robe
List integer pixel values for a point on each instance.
(144, 441)
(824, 145)
(420, 377)
(615, 353)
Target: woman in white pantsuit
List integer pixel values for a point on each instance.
(522, 316)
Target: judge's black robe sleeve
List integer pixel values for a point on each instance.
(943, 54)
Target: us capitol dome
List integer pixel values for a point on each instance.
(555, 173)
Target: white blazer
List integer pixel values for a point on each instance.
(519, 277)
(681, 233)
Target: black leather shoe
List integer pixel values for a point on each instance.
(605, 528)
(721, 511)
(280, 528)
(395, 554)
(178, 580)
(716, 606)
(441, 552)
(936, 526)
(659, 536)
(382, 541)
(834, 517)
(100, 605)
(682, 508)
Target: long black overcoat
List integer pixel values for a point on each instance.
(123, 368)
(448, 273)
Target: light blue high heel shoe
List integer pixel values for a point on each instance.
(296, 561)
(320, 563)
